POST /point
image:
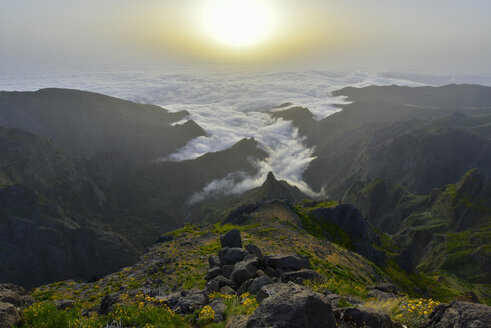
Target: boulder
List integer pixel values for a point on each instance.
(292, 306)
(270, 272)
(219, 308)
(244, 287)
(216, 283)
(213, 272)
(231, 239)
(9, 315)
(108, 302)
(279, 271)
(186, 301)
(239, 321)
(227, 290)
(229, 255)
(214, 261)
(292, 262)
(227, 270)
(461, 315)
(16, 295)
(250, 257)
(253, 249)
(244, 270)
(257, 283)
(356, 317)
(301, 275)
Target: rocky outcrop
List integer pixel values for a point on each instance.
(13, 300)
(186, 301)
(460, 315)
(9, 315)
(349, 219)
(290, 306)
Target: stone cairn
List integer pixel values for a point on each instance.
(237, 270)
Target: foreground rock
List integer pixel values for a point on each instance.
(461, 315)
(231, 239)
(291, 306)
(186, 301)
(9, 315)
(13, 300)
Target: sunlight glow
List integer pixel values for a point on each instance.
(239, 23)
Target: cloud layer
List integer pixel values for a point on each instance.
(229, 106)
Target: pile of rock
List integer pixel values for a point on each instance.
(237, 270)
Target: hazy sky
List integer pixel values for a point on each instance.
(432, 36)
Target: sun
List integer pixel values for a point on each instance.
(239, 23)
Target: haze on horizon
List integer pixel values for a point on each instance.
(441, 36)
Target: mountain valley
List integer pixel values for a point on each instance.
(95, 218)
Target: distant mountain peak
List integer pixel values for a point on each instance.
(270, 177)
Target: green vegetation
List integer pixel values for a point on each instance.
(141, 311)
(411, 312)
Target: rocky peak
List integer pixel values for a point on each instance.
(270, 177)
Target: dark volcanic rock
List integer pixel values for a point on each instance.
(186, 301)
(227, 290)
(227, 270)
(107, 303)
(15, 295)
(244, 270)
(231, 239)
(214, 261)
(244, 287)
(233, 255)
(259, 282)
(292, 306)
(213, 272)
(13, 300)
(461, 315)
(355, 317)
(253, 249)
(219, 307)
(216, 283)
(293, 262)
(9, 315)
(239, 321)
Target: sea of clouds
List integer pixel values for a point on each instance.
(229, 106)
